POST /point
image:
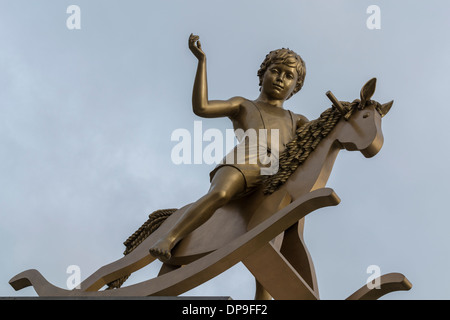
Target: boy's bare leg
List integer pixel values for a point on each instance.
(227, 182)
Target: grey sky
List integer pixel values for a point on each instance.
(86, 118)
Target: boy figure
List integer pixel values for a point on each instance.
(281, 75)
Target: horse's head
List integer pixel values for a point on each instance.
(355, 126)
(362, 128)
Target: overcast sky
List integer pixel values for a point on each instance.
(86, 118)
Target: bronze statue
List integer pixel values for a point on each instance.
(281, 75)
(249, 215)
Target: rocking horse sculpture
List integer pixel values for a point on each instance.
(262, 229)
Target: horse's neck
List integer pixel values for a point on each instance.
(315, 171)
(311, 175)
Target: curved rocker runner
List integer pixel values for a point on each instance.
(193, 274)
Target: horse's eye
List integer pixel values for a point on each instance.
(366, 115)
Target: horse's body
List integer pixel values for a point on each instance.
(238, 217)
(243, 229)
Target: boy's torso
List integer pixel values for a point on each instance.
(254, 115)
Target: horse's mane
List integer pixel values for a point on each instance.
(306, 140)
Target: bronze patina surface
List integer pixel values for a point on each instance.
(248, 215)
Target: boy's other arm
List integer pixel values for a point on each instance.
(300, 120)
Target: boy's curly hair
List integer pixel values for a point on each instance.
(286, 57)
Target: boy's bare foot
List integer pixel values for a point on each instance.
(161, 250)
(163, 255)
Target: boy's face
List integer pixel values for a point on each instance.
(279, 81)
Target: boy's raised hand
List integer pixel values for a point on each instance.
(196, 47)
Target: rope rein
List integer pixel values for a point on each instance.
(154, 221)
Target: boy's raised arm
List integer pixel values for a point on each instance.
(200, 103)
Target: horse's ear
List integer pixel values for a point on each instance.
(386, 107)
(368, 89)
